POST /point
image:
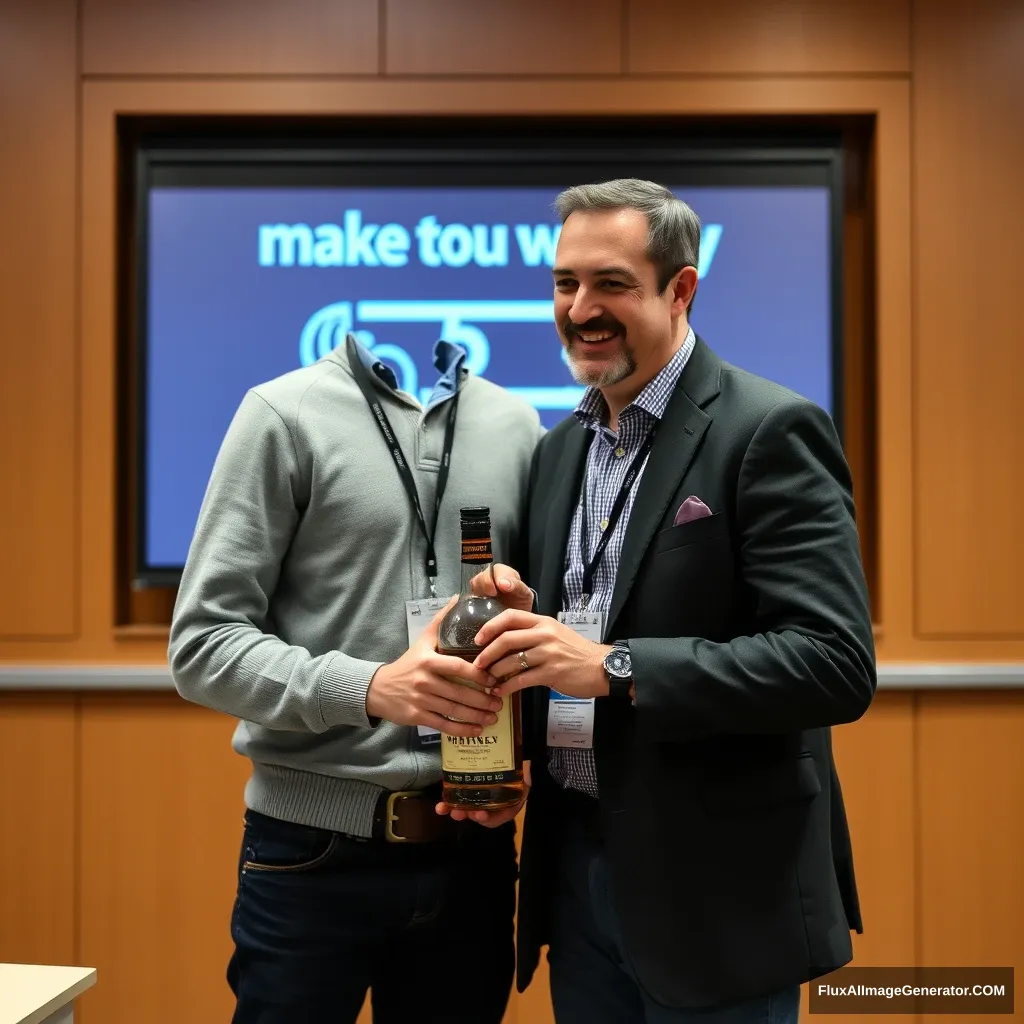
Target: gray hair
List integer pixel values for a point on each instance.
(673, 235)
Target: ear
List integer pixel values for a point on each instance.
(684, 287)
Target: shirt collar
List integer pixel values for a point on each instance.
(592, 410)
(380, 370)
(449, 361)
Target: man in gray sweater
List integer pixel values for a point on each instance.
(330, 520)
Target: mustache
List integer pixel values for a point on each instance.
(597, 324)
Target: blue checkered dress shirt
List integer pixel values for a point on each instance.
(608, 461)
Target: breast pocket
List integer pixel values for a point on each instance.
(687, 584)
(697, 531)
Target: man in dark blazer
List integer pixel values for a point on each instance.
(703, 621)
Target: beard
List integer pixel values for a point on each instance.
(623, 365)
(597, 375)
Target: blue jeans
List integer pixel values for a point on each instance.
(591, 980)
(320, 918)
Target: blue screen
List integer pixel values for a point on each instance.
(245, 284)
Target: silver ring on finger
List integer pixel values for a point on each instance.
(524, 665)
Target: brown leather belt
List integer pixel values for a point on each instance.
(408, 816)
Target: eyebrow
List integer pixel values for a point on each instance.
(600, 272)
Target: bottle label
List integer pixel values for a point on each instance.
(484, 759)
(476, 550)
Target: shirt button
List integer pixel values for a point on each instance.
(619, 452)
(604, 524)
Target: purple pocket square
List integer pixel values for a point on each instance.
(692, 508)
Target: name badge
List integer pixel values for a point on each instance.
(417, 617)
(589, 625)
(571, 719)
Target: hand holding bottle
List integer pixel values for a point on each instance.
(504, 583)
(491, 819)
(416, 689)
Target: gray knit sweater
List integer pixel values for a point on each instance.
(303, 557)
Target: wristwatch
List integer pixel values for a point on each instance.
(618, 667)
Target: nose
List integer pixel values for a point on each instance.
(585, 306)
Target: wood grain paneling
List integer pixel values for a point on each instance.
(38, 90)
(968, 224)
(230, 37)
(586, 95)
(875, 761)
(161, 826)
(38, 853)
(98, 393)
(891, 600)
(971, 806)
(503, 37)
(874, 758)
(750, 37)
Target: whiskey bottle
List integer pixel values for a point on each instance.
(482, 772)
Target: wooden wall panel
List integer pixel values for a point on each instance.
(161, 826)
(971, 807)
(968, 224)
(874, 758)
(230, 37)
(786, 37)
(893, 375)
(38, 853)
(38, 90)
(503, 37)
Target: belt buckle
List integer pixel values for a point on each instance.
(389, 814)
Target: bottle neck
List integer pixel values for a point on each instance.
(476, 558)
(471, 569)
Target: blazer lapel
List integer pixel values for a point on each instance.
(679, 435)
(560, 512)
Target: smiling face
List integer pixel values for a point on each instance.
(618, 330)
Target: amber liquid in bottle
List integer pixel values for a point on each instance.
(482, 772)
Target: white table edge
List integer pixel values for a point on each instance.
(86, 979)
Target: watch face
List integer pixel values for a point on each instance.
(619, 664)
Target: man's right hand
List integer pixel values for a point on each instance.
(416, 689)
(504, 583)
(492, 819)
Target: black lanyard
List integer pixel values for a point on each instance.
(590, 567)
(373, 401)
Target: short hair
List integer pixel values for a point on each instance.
(673, 228)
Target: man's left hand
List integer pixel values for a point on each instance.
(524, 649)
